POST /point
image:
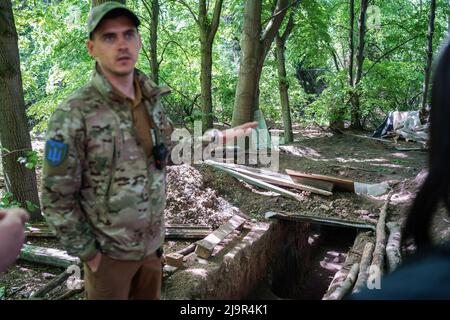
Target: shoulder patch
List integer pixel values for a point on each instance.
(56, 152)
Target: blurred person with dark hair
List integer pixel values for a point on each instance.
(426, 274)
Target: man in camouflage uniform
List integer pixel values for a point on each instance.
(103, 183)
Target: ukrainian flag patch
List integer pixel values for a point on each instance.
(55, 152)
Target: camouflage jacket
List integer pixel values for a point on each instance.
(99, 191)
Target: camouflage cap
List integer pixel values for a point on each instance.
(99, 12)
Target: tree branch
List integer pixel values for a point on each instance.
(190, 10)
(289, 27)
(165, 47)
(389, 52)
(296, 2)
(216, 19)
(273, 27)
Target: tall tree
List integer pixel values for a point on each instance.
(153, 11)
(351, 36)
(355, 96)
(14, 131)
(154, 40)
(255, 45)
(426, 82)
(208, 30)
(282, 76)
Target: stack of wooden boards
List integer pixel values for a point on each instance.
(277, 182)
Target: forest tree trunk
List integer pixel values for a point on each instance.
(426, 83)
(154, 65)
(356, 108)
(14, 130)
(255, 45)
(283, 83)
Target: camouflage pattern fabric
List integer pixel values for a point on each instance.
(100, 192)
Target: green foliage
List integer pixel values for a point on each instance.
(55, 62)
(30, 159)
(7, 200)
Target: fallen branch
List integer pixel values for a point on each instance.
(364, 267)
(380, 246)
(346, 286)
(55, 282)
(370, 138)
(393, 253)
(353, 168)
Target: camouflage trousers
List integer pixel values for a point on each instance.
(125, 280)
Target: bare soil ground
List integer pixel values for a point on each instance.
(206, 196)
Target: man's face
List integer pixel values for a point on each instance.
(115, 45)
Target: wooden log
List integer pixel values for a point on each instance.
(187, 250)
(55, 282)
(174, 259)
(317, 220)
(187, 231)
(363, 275)
(339, 183)
(393, 253)
(265, 185)
(380, 246)
(172, 232)
(48, 256)
(347, 285)
(206, 246)
(354, 256)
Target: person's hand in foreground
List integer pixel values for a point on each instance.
(12, 235)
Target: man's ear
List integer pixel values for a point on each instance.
(91, 48)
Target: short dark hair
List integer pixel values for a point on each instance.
(115, 14)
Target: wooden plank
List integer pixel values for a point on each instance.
(206, 246)
(187, 250)
(48, 256)
(174, 259)
(284, 181)
(319, 184)
(339, 183)
(263, 184)
(318, 220)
